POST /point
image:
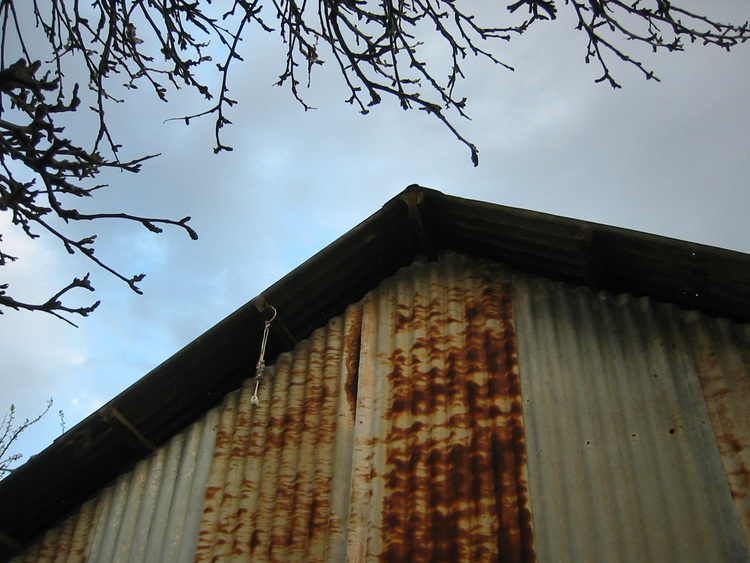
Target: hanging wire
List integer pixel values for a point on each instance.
(261, 365)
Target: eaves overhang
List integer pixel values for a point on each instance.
(419, 221)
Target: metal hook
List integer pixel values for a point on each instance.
(261, 365)
(269, 321)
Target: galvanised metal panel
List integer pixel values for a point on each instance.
(151, 513)
(393, 433)
(440, 455)
(418, 220)
(721, 351)
(279, 484)
(396, 432)
(623, 462)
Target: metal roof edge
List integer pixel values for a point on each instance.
(172, 395)
(416, 221)
(690, 275)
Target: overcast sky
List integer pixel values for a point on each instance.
(670, 158)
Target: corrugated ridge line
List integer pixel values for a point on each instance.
(442, 442)
(139, 517)
(622, 463)
(279, 488)
(721, 351)
(369, 396)
(343, 446)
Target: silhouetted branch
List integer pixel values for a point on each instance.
(29, 136)
(9, 433)
(382, 49)
(53, 305)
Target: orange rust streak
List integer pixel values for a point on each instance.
(270, 490)
(435, 455)
(457, 433)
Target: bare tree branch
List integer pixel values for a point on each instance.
(9, 433)
(29, 137)
(381, 48)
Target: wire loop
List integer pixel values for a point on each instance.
(261, 365)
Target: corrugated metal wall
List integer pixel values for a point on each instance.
(721, 353)
(150, 514)
(623, 461)
(279, 485)
(395, 433)
(401, 430)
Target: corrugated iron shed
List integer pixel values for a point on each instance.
(151, 513)
(419, 221)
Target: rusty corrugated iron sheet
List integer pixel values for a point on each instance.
(721, 352)
(393, 433)
(67, 543)
(399, 431)
(419, 220)
(445, 474)
(278, 488)
(623, 462)
(151, 513)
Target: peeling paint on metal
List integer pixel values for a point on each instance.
(623, 463)
(393, 433)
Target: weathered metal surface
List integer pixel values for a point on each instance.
(151, 513)
(67, 543)
(440, 432)
(623, 463)
(175, 393)
(393, 433)
(721, 351)
(278, 488)
(399, 431)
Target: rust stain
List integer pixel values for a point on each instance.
(352, 345)
(723, 392)
(70, 541)
(722, 363)
(456, 484)
(271, 488)
(415, 315)
(446, 442)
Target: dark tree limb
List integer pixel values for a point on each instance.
(29, 137)
(9, 433)
(381, 48)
